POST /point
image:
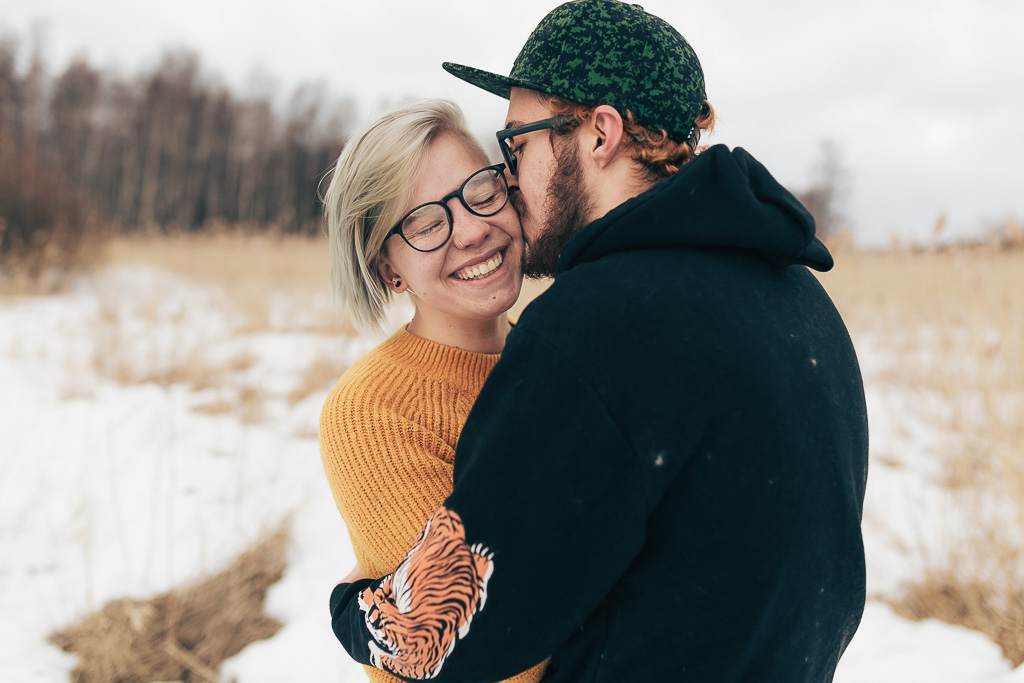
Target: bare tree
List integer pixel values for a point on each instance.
(170, 147)
(72, 128)
(824, 198)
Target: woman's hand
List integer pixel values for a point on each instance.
(355, 575)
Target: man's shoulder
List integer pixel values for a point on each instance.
(589, 310)
(680, 296)
(618, 283)
(586, 296)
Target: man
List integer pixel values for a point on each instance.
(663, 477)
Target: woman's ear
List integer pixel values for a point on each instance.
(388, 276)
(606, 125)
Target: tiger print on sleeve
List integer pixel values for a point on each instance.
(417, 614)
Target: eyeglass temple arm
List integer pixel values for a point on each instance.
(506, 133)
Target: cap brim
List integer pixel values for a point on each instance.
(492, 83)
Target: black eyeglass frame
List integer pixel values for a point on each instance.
(443, 202)
(504, 135)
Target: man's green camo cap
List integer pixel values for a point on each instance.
(606, 52)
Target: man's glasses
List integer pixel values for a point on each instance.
(429, 226)
(511, 160)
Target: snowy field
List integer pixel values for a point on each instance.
(124, 475)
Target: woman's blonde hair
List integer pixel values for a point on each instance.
(368, 193)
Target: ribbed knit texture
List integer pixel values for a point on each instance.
(388, 431)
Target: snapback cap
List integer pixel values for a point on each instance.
(607, 52)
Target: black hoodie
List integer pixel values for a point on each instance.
(663, 477)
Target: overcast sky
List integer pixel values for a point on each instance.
(924, 98)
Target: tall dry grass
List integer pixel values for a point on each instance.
(265, 282)
(251, 267)
(951, 325)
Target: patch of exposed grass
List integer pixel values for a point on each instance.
(184, 634)
(998, 612)
(249, 405)
(217, 407)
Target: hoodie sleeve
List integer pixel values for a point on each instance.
(546, 514)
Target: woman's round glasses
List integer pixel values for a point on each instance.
(429, 226)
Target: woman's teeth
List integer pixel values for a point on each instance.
(474, 272)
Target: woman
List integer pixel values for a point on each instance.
(413, 206)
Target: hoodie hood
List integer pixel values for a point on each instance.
(722, 199)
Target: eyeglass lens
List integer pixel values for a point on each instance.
(429, 226)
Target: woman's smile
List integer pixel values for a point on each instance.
(482, 268)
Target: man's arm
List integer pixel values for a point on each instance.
(548, 510)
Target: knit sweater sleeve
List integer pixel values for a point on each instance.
(543, 520)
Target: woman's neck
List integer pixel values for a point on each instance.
(485, 335)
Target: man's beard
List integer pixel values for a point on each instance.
(569, 209)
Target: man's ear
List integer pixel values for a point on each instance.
(388, 276)
(606, 125)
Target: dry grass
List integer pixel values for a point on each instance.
(249, 405)
(952, 324)
(320, 373)
(111, 361)
(185, 634)
(51, 266)
(251, 267)
(247, 258)
(975, 604)
(269, 282)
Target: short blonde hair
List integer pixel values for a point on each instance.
(368, 193)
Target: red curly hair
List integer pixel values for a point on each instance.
(657, 154)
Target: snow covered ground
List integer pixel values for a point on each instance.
(111, 487)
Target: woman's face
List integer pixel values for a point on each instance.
(452, 285)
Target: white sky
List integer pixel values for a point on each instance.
(925, 98)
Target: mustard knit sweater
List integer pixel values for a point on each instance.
(388, 431)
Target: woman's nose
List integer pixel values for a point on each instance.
(469, 229)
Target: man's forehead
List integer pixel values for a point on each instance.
(524, 106)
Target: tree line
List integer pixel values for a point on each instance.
(85, 151)
(167, 149)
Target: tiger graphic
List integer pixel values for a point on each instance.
(418, 613)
